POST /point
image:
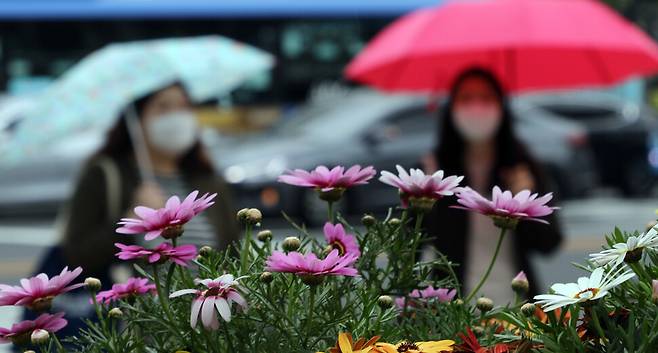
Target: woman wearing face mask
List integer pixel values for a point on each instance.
(476, 139)
(111, 186)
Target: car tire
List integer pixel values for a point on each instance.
(638, 179)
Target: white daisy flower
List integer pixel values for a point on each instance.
(589, 288)
(630, 250)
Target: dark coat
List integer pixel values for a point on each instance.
(90, 234)
(449, 227)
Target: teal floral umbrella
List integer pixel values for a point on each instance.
(92, 94)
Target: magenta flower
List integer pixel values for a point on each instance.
(330, 184)
(506, 208)
(220, 294)
(167, 221)
(416, 297)
(337, 239)
(20, 333)
(163, 252)
(419, 189)
(37, 293)
(133, 287)
(310, 268)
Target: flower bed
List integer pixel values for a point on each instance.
(360, 290)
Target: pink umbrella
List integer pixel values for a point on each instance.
(529, 44)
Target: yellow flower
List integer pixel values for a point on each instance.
(415, 347)
(346, 344)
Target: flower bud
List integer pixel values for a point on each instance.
(520, 283)
(291, 244)
(458, 302)
(654, 295)
(478, 330)
(528, 309)
(199, 258)
(115, 313)
(93, 284)
(205, 251)
(29, 352)
(264, 235)
(384, 301)
(266, 277)
(254, 216)
(242, 215)
(484, 304)
(40, 337)
(368, 220)
(394, 222)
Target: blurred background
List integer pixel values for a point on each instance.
(598, 145)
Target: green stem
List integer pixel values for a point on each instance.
(379, 319)
(229, 345)
(597, 323)
(491, 265)
(162, 296)
(246, 251)
(330, 211)
(58, 344)
(98, 310)
(419, 222)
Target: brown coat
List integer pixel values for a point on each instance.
(90, 233)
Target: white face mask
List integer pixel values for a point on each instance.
(477, 123)
(173, 133)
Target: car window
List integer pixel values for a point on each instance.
(408, 122)
(581, 113)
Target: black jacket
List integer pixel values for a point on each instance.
(450, 229)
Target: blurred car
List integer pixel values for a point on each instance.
(622, 136)
(369, 128)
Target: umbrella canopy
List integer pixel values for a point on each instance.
(528, 44)
(94, 92)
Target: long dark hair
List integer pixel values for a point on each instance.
(451, 145)
(119, 146)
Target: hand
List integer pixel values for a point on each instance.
(149, 194)
(519, 178)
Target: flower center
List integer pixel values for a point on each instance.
(41, 304)
(338, 246)
(586, 293)
(212, 292)
(633, 256)
(407, 346)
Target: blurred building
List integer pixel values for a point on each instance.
(313, 40)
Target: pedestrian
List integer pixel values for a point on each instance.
(476, 139)
(111, 186)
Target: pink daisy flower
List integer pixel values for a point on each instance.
(311, 269)
(163, 252)
(133, 287)
(20, 333)
(37, 293)
(329, 183)
(419, 189)
(337, 239)
(167, 221)
(220, 294)
(443, 295)
(505, 208)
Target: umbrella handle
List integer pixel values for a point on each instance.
(139, 145)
